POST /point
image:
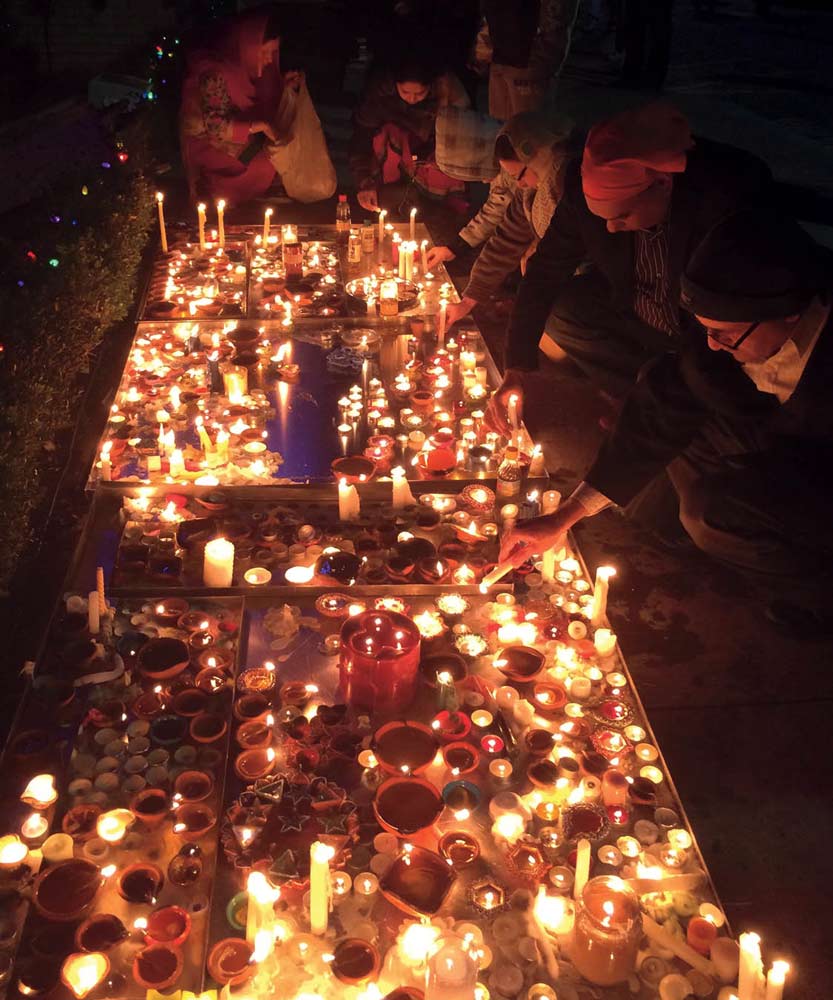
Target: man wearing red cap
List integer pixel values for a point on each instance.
(635, 207)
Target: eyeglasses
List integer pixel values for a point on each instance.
(520, 176)
(717, 337)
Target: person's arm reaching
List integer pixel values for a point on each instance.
(368, 119)
(216, 117)
(503, 250)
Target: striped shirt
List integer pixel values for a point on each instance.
(651, 300)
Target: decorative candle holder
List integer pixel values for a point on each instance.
(379, 660)
(608, 930)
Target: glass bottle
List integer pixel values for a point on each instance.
(342, 219)
(509, 474)
(608, 930)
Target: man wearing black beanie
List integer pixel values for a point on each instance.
(742, 420)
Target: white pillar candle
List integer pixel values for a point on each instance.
(402, 495)
(413, 224)
(320, 855)
(163, 235)
(93, 613)
(605, 641)
(218, 563)
(423, 252)
(267, 222)
(221, 228)
(536, 464)
(381, 233)
(548, 566)
(751, 974)
(201, 225)
(677, 946)
(260, 905)
(600, 592)
(775, 980)
(496, 574)
(176, 463)
(349, 505)
(106, 469)
(442, 322)
(582, 867)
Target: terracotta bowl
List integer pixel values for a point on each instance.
(520, 663)
(67, 890)
(354, 469)
(193, 821)
(355, 961)
(230, 961)
(140, 883)
(406, 806)
(100, 932)
(157, 967)
(168, 925)
(208, 728)
(163, 658)
(417, 882)
(405, 744)
(151, 806)
(190, 702)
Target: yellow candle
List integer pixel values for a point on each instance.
(413, 224)
(775, 980)
(260, 906)
(222, 447)
(201, 223)
(382, 216)
(600, 591)
(582, 867)
(177, 463)
(267, 221)
(160, 198)
(221, 229)
(205, 440)
(320, 855)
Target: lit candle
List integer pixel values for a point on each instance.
(267, 221)
(106, 470)
(550, 501)
(222, 447)
(413, 224)
(582, 867)
(751, 974)
(441, 326)
(320, 855)
(260, 905)
(34, 827)
(423, 253)
(113, 825)
(402, 495)
(202, 433)
(775, 980)
(536, 464)
(514, 400)
(201, 223)
(365, 887)
(605, 641)
(160, 198)
(176, 463)
(382, 216)
(13, 851)
(218, 563)
(221, 229)
(452, 971)
(349, 505)
(83, 971)
(600, 592)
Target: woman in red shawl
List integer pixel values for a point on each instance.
(232, 92)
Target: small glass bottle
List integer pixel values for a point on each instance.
(509, 475)
(354, 248)
(342, 219)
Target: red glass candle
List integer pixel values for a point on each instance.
(379, 660)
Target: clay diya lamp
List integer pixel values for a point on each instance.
(100, 932)
(211, 680)
(79, 822)
(539, 742)
(437, 463)
(256, 680)
(161, 659)
(193, 821)
(432, 571)
(355, 961)
(453, 553)
(460, 758)
(230, 962)
(417, 882)
(295, 693)
(254, 734)
(251, 707)
(642, 792)
(151, 806)
(406, 806)
(258, 762)
(200, 641)
(149, 704)
(443, 663)
(354, 469)
(422, 401)
(459, 848)
(207, 728)
(193, 786)
(140, 883)
(340, 568)
(451, 726)
(168, 730)
(157, 967)
(67, 890)
(399, 568)
(549, 699)
(543, 773)
(461, 797)
(190, 702)
(197, 621)
(216, 658)
(168, 925)
(405, 747)
(519, 663)
(170, 609)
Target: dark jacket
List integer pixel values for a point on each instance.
(382, 105)
(718, 180)
(677, 393)
(531, 34)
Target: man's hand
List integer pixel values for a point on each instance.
(369, 199)
(458, 310)
(439, 255)
(532, 538)
(265, 128)
(497, 412)
(294, 78)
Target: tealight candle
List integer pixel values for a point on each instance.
(647, 753)
(34, 827)
(366, 887)
(482, 719)
(13, 852)
(653, 774)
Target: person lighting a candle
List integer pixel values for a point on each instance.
(394, 129)
(741, 421)
(635, 205)
(243, 117)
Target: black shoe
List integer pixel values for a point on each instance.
(798, 622)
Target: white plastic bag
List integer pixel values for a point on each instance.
(301, 157)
